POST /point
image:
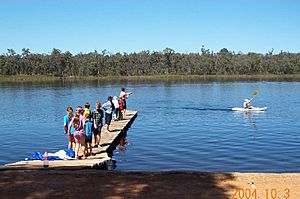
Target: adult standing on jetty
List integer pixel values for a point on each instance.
(124, 96)
(67, 121)
(97, 115)
(108, 108)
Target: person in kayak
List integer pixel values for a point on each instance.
(247, 104)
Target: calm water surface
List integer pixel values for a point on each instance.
(180, 126)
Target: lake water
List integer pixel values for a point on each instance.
(180, 125)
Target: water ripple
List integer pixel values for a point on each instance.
(179, 126)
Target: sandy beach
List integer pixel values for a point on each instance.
(103, 184)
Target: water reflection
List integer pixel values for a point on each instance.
(120, 150)
(248, 118)
(187, 126)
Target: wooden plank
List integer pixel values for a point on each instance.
(95, 161)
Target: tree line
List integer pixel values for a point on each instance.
(166, 62)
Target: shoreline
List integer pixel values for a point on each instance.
(172, 184)
(260, 77)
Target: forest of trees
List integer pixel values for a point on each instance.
(166, 62)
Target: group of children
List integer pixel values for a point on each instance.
(81, 126)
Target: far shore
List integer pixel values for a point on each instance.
(225, 78)
(104, 184)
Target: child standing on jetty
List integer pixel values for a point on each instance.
(97, 116)
(88, 135)
(78, 122)
(87, 109)
(67, 120)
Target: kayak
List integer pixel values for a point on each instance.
(249, 109)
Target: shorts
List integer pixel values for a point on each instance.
(108, 118)
(124, 104)
(97, 130)
(71, 136)
(79, 134)
(88, 140)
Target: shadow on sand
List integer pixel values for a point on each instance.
(103, 184)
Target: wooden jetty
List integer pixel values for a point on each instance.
(101, 154)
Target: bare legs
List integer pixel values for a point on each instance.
(79, 140)
(88, 149)
(124, 114)
(97, 136)
(106, 127)
(71, 144)
(82, 142)
(77, 145)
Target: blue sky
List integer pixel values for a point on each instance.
(136, 25)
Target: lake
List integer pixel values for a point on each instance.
(181, 125)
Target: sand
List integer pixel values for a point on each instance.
(104, 184)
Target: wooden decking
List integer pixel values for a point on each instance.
(98, 160)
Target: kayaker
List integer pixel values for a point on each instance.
(247, 104)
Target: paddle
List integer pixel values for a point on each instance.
(254, 94)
